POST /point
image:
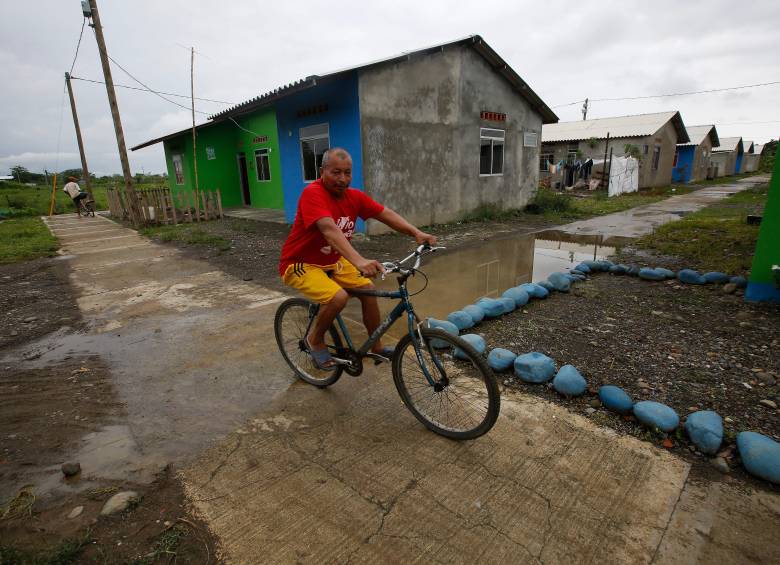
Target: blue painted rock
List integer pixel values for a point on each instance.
(583, 268)
(501, 359)
(508, 304)
(477, 314)
(535, 290)
(592, 265)
(517, 294)
(606, 264)
(622, 268)
(475, 341)
(668, 273)
(491, 307)
(616, 399)
(760, 455)
(461, 319)
(741, 282)
(569, 382)
(649, 274)
(656, 415)
(705, 428)
(716, 277)
(534, 367)
(633, 270)
(577, 277)
(577, 273)
(445, 325)
(546, 286)
(617, 270)
(689, 276)
(559, 282)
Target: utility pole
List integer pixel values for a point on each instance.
(585, 110)
(132, 200)
(84, 170)
(194, 150)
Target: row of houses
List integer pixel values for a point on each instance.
(668, 150)
(434, 134)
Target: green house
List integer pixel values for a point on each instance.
(240, 158)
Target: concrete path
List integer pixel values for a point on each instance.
(257, 214)
(642, 220)
(286, 473)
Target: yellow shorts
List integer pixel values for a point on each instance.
(314, 283)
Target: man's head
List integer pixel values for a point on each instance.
(336, 170)
(72, 179)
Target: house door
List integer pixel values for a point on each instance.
(242, 173)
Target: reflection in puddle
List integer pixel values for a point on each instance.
(462, 276)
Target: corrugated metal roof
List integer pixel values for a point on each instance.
(748, 146)
(728, 144)
(639, 125)
(758, 148)
(698, 134)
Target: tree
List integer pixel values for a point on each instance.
(20, 173)
(630, 150)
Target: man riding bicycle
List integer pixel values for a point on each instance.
(318, 259)
(73, 190)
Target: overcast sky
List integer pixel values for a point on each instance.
(598, 49)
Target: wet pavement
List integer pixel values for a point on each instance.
(287, 473)
(636, 222)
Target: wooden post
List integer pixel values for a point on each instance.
(53, 195)
(84, 170)
(194, 136)
(219, 203)
(120, 136)
(205, 209)
(173, 207)
(604, 169)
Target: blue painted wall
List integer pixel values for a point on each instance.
(682, 172)
(343, 117)
(738, 164)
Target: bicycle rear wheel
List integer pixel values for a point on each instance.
(464, 401)
(290, 323)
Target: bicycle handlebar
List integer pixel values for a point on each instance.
(423, 249)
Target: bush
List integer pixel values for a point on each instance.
(549, 201)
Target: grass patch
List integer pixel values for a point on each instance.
(22, 239)
(22, 200)
(165, 547)
(67, 552)
(716, 238)
(190, 234)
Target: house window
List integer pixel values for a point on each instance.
(491, 151)
(656, 157)
(315, 140)
(645, 149)
(263, 165)
(178, 169)
(571, 152)
(545, 160)
(530, 139)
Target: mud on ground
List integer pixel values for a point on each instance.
(691, 347)
(45, 411)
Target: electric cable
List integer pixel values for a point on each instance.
(75, 56)
(147, 90)
(243, 128)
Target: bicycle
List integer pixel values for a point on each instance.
(440, 377)
(86, 207)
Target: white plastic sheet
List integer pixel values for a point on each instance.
(624, 176)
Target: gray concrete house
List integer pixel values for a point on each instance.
(692, 161)
(727, 158)
(750, 158)
(656, 135)
(447, 130)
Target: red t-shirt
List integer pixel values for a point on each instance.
(306, 244)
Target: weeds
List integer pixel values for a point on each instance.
(165, 547)
(188, 234)
(64, 554)
(22, 239)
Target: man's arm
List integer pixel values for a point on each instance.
(338, 241)
(399, 224)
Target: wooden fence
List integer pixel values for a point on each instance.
(157, 206)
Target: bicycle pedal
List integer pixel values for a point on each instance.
(340, 361)
(378, 359)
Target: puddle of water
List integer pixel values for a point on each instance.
(463, 276)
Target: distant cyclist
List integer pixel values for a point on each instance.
(74, 191)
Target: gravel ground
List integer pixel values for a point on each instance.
(693, 348)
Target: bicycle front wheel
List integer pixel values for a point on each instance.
(290, 323)
(463, 402)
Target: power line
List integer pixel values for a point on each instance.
(81, 33)
(670, 94)
(147, 90)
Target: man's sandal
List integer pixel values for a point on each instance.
(321, 357)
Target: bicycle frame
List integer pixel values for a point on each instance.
(404, 305)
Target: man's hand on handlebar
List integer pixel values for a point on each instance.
(423, 237)
(369, 268)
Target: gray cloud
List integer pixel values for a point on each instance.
(566, 52)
